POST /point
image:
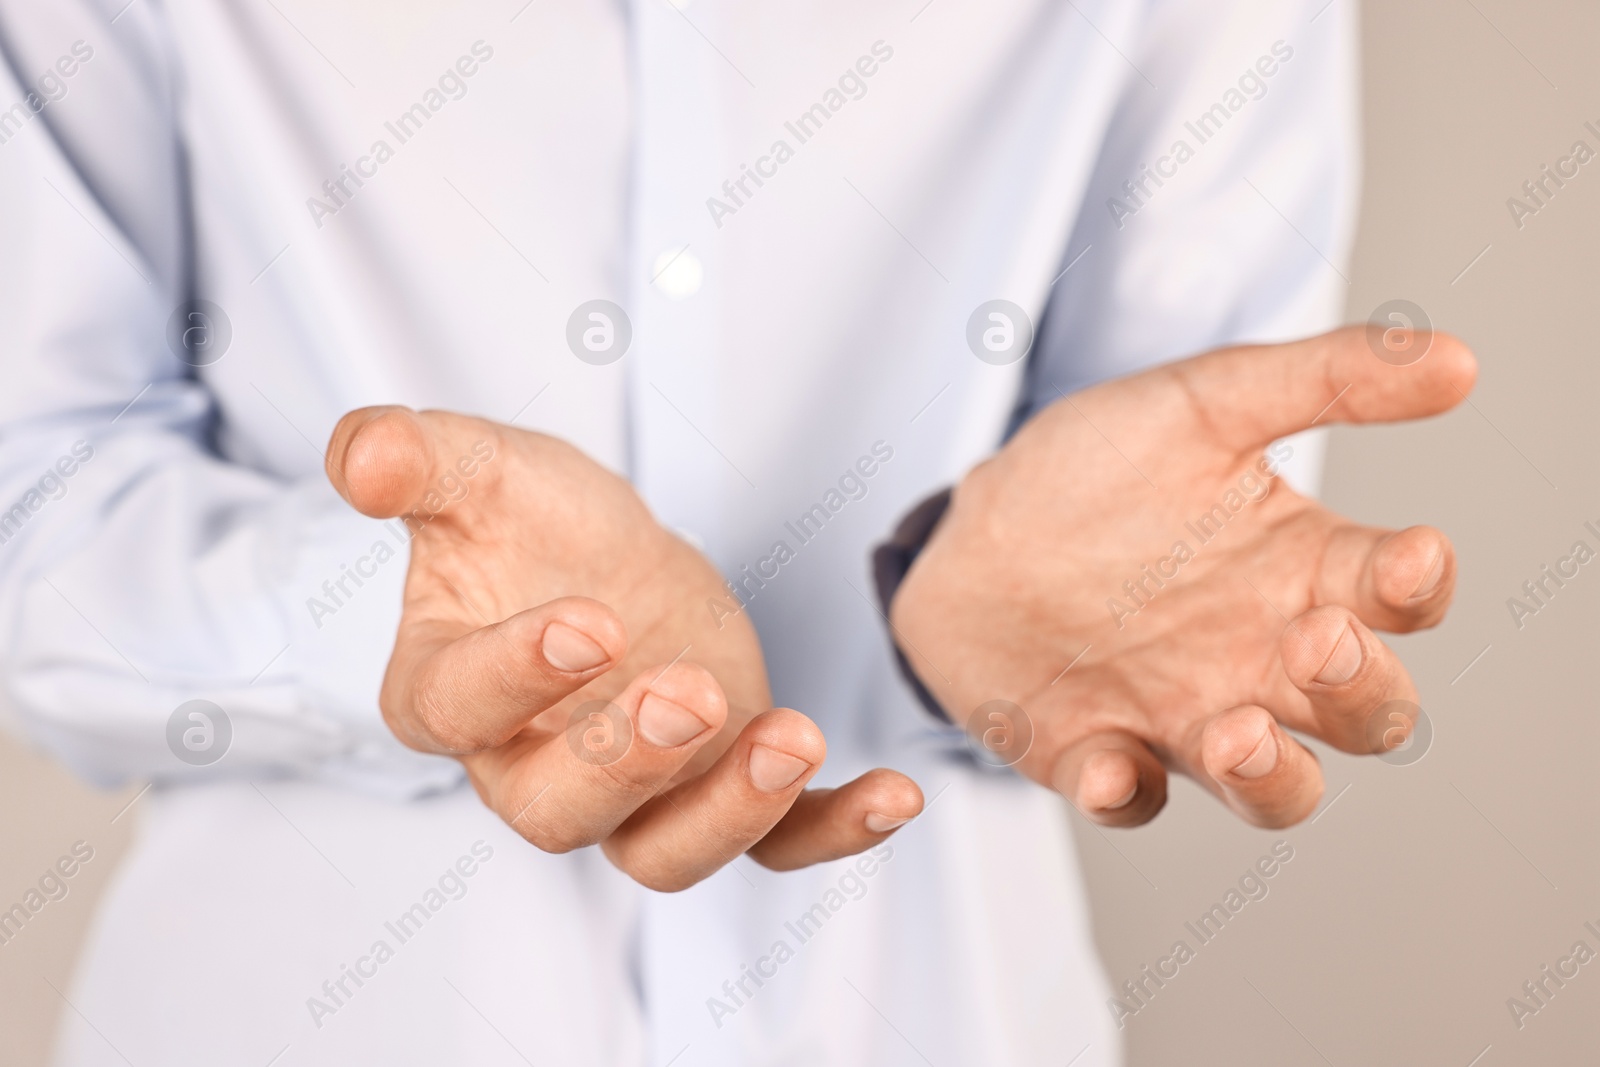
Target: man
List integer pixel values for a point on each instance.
(789, 273)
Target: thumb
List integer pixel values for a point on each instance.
(1256, 394)
(389, 460)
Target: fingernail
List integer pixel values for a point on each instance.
(882, 824)
(1127, 798)
(667, 725)
(1430, 581)
(1345, 661)
(773, 771)
(566, 649)
(1262, 759)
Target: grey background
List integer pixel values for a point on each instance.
(1426, 894)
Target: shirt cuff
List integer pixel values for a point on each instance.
(890, 563)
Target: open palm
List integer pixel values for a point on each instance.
(1128, 586)
(556, 640)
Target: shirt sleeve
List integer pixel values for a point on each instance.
(1222, 205)
(1220, 210)
(141, 569)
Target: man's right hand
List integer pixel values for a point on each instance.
(557, 641)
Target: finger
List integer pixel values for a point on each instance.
(387, 468)
(1253, 395)
(1113, 778)
(574, 788)
(1263, 774)
(827, 824)
(462, 694)
(391, 461)
(1348, 676)
(1397, 581)
(691, 831)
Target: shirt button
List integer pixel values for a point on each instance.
(677, 274)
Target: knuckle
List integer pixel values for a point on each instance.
(622, 779)
(508, 677)
(652, 862)
(440, 717)
(408, 726)
(403, 729)
(435, 719)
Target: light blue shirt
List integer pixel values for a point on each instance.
(800, 211)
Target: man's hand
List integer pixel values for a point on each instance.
(557, 641)
(1136, 533)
